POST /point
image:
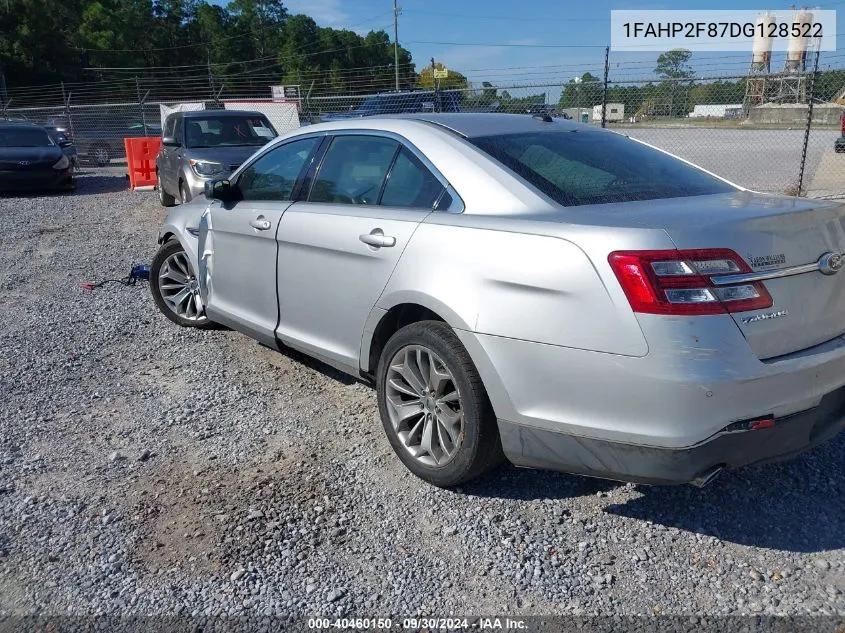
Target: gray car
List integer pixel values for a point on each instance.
(203, 145)
(535, 289)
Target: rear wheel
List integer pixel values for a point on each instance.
(433, 406)
(174, 286)
(164, 198)
(100, 155)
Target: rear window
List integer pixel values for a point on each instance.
(575, 167)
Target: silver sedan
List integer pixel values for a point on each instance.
(522, 288)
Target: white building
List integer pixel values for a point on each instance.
(615, 112)
(716, 111)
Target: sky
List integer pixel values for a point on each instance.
(531, 41)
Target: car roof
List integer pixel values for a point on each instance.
(194, 114)
(11, 124)
(476, 124)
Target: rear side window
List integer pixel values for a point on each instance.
(353, 170)
(410, 184)
(576, 167)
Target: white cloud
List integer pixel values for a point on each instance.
(324, 12)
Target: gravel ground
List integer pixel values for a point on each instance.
(147, 469)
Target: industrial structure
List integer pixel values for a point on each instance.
(788, 85)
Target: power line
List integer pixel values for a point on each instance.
(506, 17)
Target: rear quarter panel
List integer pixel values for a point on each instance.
(520, 280)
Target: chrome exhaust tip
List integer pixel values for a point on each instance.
(707, 476)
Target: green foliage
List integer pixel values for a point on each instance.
(58, 40)
(674, 64)
(455, 80)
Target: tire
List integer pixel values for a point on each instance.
(163, 264)
(164, 198)
(184, 192)
(478, 448)
(99, 155)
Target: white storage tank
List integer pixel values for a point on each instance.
(796, 52)
(761, 55)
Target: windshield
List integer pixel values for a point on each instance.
(575, 167)
(25, 137)
(227, 131)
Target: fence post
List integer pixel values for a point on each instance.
(810, 96)
(141, 101)
(66, 104)
(604, 87)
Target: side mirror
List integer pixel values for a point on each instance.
(219, 190)
(170, 141)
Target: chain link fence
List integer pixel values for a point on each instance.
(774, 132)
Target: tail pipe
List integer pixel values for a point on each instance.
(707, 476)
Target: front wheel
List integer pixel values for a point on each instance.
(174, 286)
(164, 198)
(434, 407)
(184, 193)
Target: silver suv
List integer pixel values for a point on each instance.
(204, 145)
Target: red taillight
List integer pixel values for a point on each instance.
(842, 123)
(679, 282)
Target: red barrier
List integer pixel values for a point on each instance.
(141, 160)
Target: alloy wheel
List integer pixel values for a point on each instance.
(424, 405)
(179, 287)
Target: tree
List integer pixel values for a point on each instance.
(248, 44)
(674, 67)
(674, 64)
(455, 80)
(582, 92)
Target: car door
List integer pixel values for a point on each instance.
(237, 257)
(339, 246)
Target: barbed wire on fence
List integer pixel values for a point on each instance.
(755, 129)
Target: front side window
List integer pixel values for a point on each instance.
(576, 167)
(177, 130)
(353, 170)
(273, 176)
(410, 184)
(169, 124)
(227, 131)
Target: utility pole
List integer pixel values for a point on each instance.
(604, 87)
(396, 12)
(211, 86)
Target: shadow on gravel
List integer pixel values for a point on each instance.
(319, 366)
(95, 184)
(509, 482)
(85, 186)
(794, 506)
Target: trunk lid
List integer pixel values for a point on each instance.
(770, 233)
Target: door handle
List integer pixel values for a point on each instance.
(260, 224)
(377, 239)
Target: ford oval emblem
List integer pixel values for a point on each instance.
(23, 163)
(830, 263)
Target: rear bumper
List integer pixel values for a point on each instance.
(534, 447)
